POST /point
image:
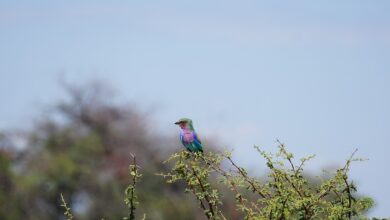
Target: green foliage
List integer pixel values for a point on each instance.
(130, 196)
(285, 194)
(188, 167)
(9, 203)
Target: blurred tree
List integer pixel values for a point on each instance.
(81, 148)
(9, 204)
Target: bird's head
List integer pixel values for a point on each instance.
(185, 123)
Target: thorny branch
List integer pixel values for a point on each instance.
(131, 197)
(287, 194)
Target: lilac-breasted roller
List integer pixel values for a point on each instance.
(188, 136)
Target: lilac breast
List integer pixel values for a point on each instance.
(188, 136)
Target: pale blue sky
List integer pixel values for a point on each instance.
(315, 74)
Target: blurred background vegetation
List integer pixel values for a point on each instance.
(81, 147)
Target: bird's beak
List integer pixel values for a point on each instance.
(178, 122)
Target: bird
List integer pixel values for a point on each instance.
(188, 136)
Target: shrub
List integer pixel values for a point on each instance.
(286, 193)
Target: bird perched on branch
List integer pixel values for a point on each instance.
(188, 136)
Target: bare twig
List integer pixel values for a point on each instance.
(67, 213)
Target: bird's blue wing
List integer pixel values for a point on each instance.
(198, 143)
(196, 138)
